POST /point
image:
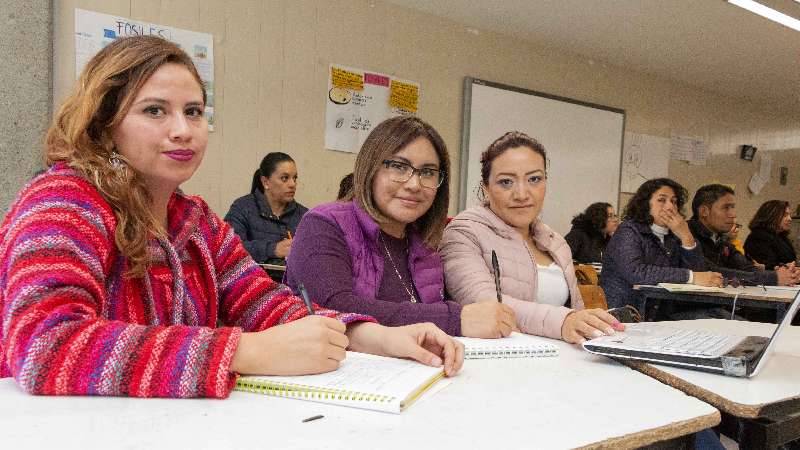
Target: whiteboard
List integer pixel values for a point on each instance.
(583, 143)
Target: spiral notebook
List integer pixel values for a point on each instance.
(516, 345)
(361, 381)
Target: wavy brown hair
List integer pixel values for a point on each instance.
(769, 216)
(386, 139)
(80, 135)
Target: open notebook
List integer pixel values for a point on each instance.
(361, 381)
(516, 345)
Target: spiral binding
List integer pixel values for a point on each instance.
(511, 352)
(294, 390)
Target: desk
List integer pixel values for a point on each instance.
(769, 402)
(491, 404)
(751, 296)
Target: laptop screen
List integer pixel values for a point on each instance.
(787, 320)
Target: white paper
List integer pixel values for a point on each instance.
(516, 345)
(644, 157)
(685, 148)
(392, 379)
(94, 30)
(350, 117)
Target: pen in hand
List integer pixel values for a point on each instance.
(304, 294)
(496, 270)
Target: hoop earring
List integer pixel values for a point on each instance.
(115, 160)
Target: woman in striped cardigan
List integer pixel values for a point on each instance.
(114, 282)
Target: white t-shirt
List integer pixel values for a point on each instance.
(552, 286)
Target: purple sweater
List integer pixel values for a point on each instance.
(339, 257)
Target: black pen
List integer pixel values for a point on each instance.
(496, 269)
(304, 294)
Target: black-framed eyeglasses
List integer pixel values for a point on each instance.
(401, 172)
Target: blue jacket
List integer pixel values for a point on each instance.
(260, 230)
(635, 255)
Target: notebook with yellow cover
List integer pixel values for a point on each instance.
(516, 345)
(361, 381)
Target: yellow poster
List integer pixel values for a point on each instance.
(404, 95)
(346, 79)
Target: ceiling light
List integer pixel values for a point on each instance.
(769, 13)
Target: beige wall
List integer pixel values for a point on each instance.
(270, 77)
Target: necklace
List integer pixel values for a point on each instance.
(410, 293)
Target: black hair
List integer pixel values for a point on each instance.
(707, 195)
(267, 167)
(638, 207)
(593, 219)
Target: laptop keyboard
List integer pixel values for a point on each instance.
(673, 341)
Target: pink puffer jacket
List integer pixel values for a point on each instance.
(466, 251)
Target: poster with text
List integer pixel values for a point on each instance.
(359, 100)
(94, 30)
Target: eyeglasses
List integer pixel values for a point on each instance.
(401, 172)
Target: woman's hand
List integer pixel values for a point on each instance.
(313, 344)
(580, 325)
(677, 224)
(283, 248)
(488, 319)
(713, 279)
(423, 342)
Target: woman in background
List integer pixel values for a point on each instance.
(591, 231)
(375, 252)
(267, 218)
(114, 282)
(768, 242)
(652, 245)
(537, 277)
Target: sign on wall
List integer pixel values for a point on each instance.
(359, 100)
(94, 30)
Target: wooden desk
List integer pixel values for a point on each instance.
(751, 296)
(769, 403)
(574, 400)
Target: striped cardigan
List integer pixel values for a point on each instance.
(73, 324)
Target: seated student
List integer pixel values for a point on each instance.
(768, 242)
(266, 218)
(653, 245)
(345, 186)
(713, 215)
(591, 231)
(114, 281)
(375, 253)
(536, 274)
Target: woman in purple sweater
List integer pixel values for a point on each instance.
(373, 253)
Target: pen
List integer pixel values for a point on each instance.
(496, 270)
(304, 294)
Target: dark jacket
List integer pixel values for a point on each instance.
(721, 256)
(769, 248)
(587, 246)
(635, 255)
(260, 230)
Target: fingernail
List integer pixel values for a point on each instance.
(610, 332)
(597, 333)
(436, 362)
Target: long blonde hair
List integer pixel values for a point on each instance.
(80, 135)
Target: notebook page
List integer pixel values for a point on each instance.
(516, 345)
(391, 380)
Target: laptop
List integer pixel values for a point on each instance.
(737, 356)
